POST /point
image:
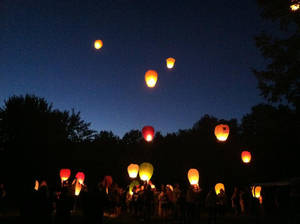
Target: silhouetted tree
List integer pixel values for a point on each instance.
(281, 78)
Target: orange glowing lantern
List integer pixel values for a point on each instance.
(36, 185)
(295, 5)
(193, 176)
(256, 191)
(148, 133)
(146, 171)
(65, 174)
(133, 170)
(78, 187)
(80, 177)
(151, 78)
(219, 187)
(246, 156)
(170, 63)
(98, 44)
(222, 132)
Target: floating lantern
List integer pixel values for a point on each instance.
(193, 176)
(256, 191)
(64, 174)
(36, 185)
(148, 133)
(246, 156)
(133, 170)
(98, 44)
(80, 177)
(151, 78)
(218, 188)
(295, 5)
(170, 63)
(146, 171)
(78, 187)
(222, 132)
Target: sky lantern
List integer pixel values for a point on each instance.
(256, 191)
(151, 78)
(148, 133)
(132, 185)
(222, 132)
(295, 5)
(78, 187)
(36, 185)
(64, 174)
(80, 177)
(133, 170)
(146, 171)
(170, 63)
(218, 188)
(246, 156)
(98, 44)
(193, 176)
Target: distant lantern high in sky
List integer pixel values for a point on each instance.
(98, 44)
(170, 63)
(151, 78)
(295, 5)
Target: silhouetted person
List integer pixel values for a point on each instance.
(210, 202)
(2, 199)
(235, 201)
(44, 204)
(64, 206)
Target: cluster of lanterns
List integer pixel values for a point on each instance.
(79, 178)
(144, 170)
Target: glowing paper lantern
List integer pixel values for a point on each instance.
(146, 171)
(98, 44)
(222, 132)
(78, 187)
(133, 170)
(36, 185)
(170, 62)
(80, 177)
(65, 174)
(218, 188)
(193, 176)
(295, 5)
(132, 185)
(256, 191)
(246, 156)
(148, 133)
(151, 78)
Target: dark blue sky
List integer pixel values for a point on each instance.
(46, 49)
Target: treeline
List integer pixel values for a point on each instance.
(37, 140)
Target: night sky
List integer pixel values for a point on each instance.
(46, 49)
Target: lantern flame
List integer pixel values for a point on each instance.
(149, 138)
(98, 44)
(151, 78)
(170, 63)
(193, 176)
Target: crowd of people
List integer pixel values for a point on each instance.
(144, 202)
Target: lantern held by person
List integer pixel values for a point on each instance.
(80, 177)
(219, 187)
(193, 176)
(246, 156)
(133, 170)
(170, 63)
(222, 132)
(256, 191)
(151, 78)
(64, 174)
(98, 44)
(146, 171)
(148, 133)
